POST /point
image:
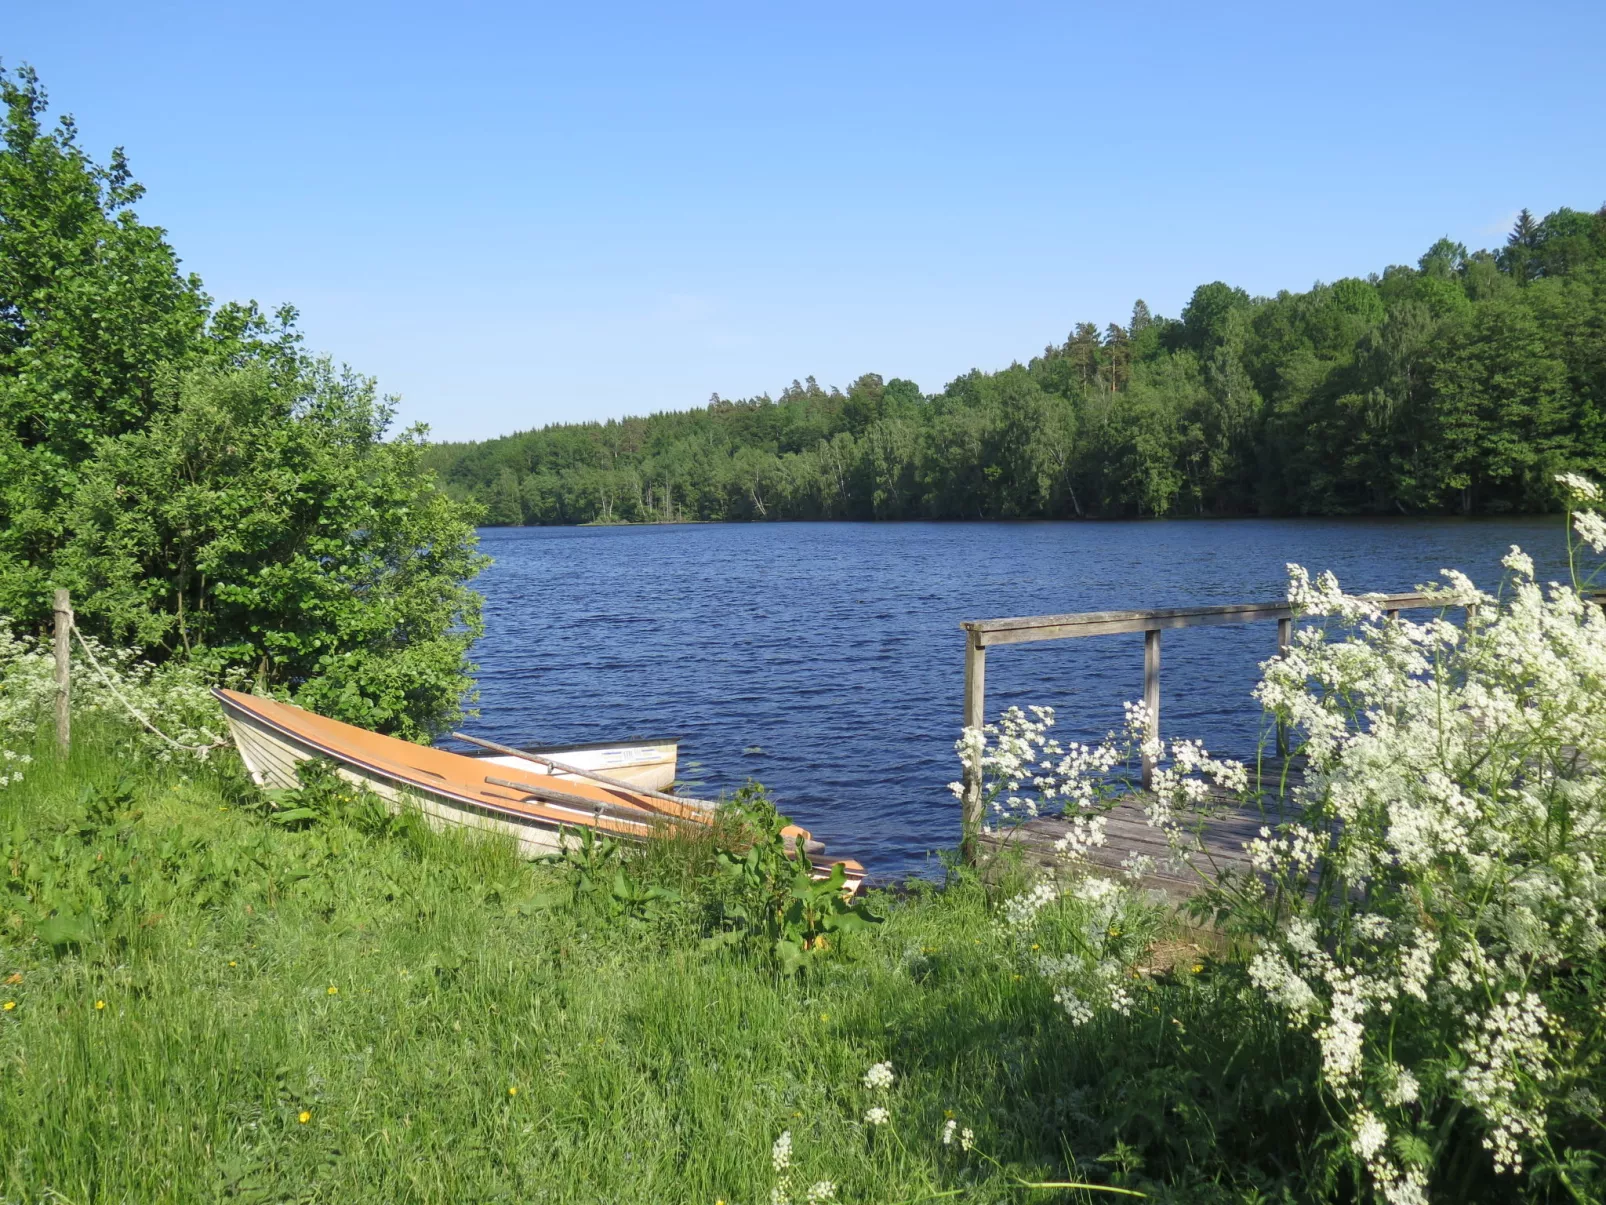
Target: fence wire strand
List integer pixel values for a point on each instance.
(134, 711)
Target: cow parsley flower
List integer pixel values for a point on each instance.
(1582, 489)
(879, 1078)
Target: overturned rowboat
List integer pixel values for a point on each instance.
(535, 796)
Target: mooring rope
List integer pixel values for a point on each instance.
(134, 711)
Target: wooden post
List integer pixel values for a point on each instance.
(1151, 696)
(1285, 637)
(975, 716)
(63, 608)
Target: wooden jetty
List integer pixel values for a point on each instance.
(1127, 829)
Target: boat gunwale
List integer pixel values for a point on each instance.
(583, 748)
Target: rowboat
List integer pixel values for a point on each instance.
(533, 796)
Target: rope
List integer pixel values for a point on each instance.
(134, 711)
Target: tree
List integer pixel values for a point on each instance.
(1082, 350)
(276, 531)
(1500, 410)
(207, 492)
(92, 308)
(1204, 318)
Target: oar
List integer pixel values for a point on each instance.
(810, 845)
(617, 783)
(613, 811)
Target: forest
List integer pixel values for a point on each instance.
(1459, 386)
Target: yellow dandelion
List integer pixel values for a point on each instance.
(99, 1004)
(232, 963)
(825, 1016)
(334, 991)
(1035, 946)
(304, 1117)
(512, 1091)
(1197, 967)
(10, 1004)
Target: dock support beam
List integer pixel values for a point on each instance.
(1151, 698)
(975, 716)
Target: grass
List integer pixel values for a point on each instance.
(211, 1007)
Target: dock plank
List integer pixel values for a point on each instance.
(1223, 836)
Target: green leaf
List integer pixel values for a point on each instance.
(65, 929)
(541, 902)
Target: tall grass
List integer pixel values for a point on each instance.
(208, 1006)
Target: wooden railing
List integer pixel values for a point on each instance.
(982, 634)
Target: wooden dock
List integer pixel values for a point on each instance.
(1127, 831)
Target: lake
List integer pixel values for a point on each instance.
(825, 659)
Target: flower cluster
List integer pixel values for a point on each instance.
(179, 695)
(1443, 866)
(821, 1192)
(1024, 773)
(879, 1078)
(1082, 941)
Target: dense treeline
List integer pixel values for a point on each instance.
(1459, 385)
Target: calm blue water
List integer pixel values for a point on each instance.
(826, 660)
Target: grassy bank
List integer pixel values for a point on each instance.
(203, 1005)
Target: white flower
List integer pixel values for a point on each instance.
(1404, 1090)
(967, 1138)
(781, 1152)
(1591, 528)
(1021, 910)
(1519, 562)
(879, 1078)
(1581, 488)
(820, 1192)
(949, 1129)
(1075, 1007)
(1370, 1135)
(876, 1116)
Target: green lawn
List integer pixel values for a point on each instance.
(201, 1005)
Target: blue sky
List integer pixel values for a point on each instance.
(515, 214)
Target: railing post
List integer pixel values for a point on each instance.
(1285, 637)
(63, 609)
(975, 714)
(1151, 697)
